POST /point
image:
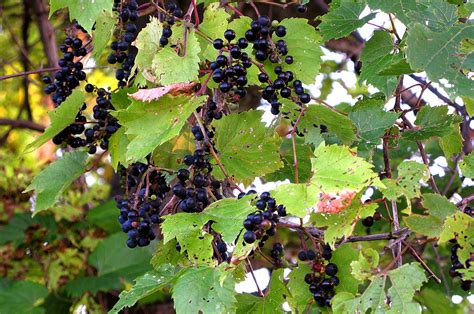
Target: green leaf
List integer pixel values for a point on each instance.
(336, 169)
(228, 215)
(405, 281)
(363, 268)
(304, 44)
(14, 231)
(145, 285)
(204, 289)
(407, 184)
(22, 297)
(334, 121)
(467, 166)
(300, 295)
(440, 55)
(151, 124)
(214, 23)
(60, 118)
(166, 254)
(271, 303)
(343, 20)
(459, 226)
(342, 257)
(296, 197)
(104, 216)
(113, 256)
(247, 148)
(166, 60)
(341, 225)
(397, 67)
(451, 144)
(371, 119)
(118, 144)
(187, 229)
(431, 121)
(86, 12)
(439, 207)
(148, 43)
(376, 57)
(55, 178)
(104, 29)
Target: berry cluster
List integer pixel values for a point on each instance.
(276, 254)
(221, 247)
(261, 224)
(230, 71)
(194, 191)
(122, 48)
(173, 12)
(323, 279)
(212, 112)
(139, 209)
(70, 75)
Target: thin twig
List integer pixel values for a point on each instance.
(293, 140)
(23, 124)
(422, 262)
(254, 278)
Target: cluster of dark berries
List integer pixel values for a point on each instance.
(276, 254)
(122, 49)
(221, 247)
(139, 209)
(456, 265)
(173, 12)
(323, 279)
(70, 75)
(261, 224)
(211, 113)
(71, 134)
(193, 190)
(230, 67)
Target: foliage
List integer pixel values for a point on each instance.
(150, 194)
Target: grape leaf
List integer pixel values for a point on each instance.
(151, 124)
(104, 29)
(296, 197)
(336, 169)
(342, 257)
(304, 45)
(460, 227)
(167, 254)
(343, 20)
(334, 121)
(376, 57)
(166, 60)
(86, 12)
(405, 281)
(371, 119)
(148, 43)
(118, 144)
(247, 148)
(204, 289)
(187, 229)
(300, 295)
(431, 121)
(271, 303)
(342, 224)
(104, 216)
(439, 54)
(22, 296)
(145, 285)
(451, 144)
(397, 67)
(228, 215)
(363, 267)
(407, 184)
(215, 22)
(467, 166)
(50, 183)
(170, 154)
(60, 118)
(439, 207)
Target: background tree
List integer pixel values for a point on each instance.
(327, 143)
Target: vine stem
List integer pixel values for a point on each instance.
(395, 260)
(293, 140)
(234, 9)
(254, 7)
(44, 70)
(422, 262)
(213, 152)
(254, 278)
